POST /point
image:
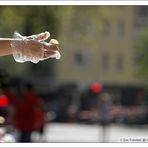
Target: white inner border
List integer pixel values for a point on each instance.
(68, 145)
(69, 2)
(74, 145)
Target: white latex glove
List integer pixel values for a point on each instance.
(34, 48)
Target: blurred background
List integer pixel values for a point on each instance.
(97, 91)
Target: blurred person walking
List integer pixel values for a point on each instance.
(104, 108)
(29, 115)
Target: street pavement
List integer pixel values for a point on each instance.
(62, 132)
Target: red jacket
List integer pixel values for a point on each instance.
(26, 116)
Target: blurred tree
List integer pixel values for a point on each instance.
(30, 20)
(142, 53)
(10, 21)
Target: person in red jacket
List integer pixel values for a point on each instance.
(26, 114)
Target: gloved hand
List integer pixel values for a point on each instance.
(34, 48)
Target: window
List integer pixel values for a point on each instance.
(143, 11)
(105, 60)
(81, 58)
(106, 28)
(121, 29)
(119, 62)
(80, 23)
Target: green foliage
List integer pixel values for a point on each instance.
(28, 20)
(9, 21)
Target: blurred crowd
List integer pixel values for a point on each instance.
(24, 111)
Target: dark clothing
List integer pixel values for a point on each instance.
(105, 114)
(25, 136)
(28, 117)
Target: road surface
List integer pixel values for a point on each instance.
(57, 132)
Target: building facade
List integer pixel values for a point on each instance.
(98, 46)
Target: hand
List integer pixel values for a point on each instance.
(34, 48)
(50, 49)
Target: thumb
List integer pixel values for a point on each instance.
(54, 42)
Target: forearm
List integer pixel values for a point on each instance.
(5, 46)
